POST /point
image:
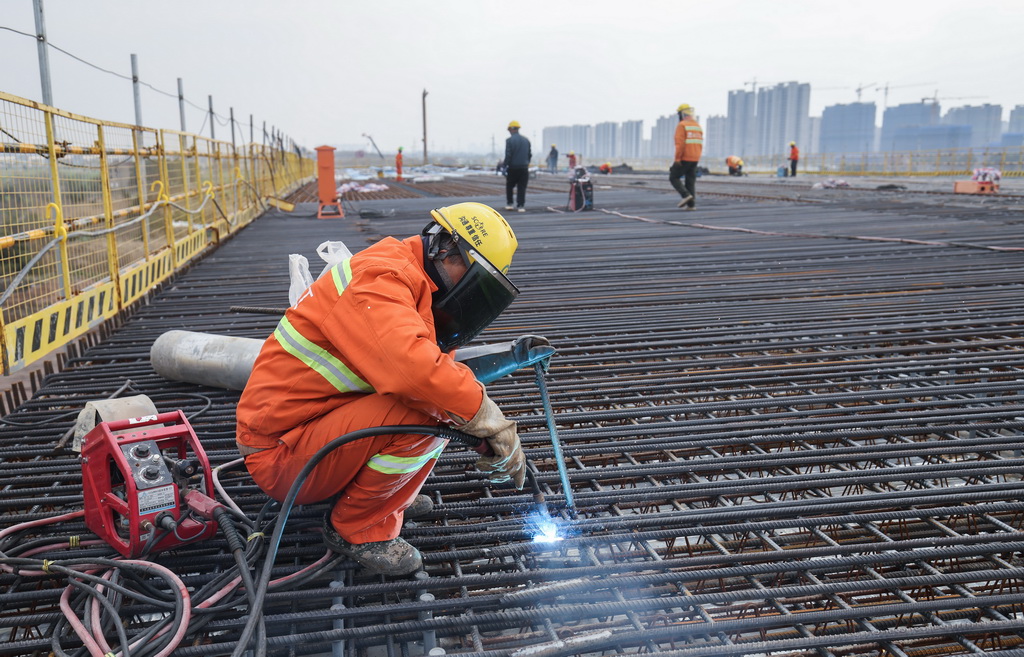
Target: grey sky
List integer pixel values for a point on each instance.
(328, 71)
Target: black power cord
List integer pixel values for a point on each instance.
(256, 604)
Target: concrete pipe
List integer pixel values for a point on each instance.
(219, 361)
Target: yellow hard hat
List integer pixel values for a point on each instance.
(514, 124)
(482, 229)
(685, 109)
(552, 145)
(792, 143)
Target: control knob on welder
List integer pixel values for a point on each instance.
(151, 473)
(141, 451)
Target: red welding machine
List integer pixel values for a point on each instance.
(146, 484)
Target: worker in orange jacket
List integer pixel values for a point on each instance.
(689, 139)
(735, 164)
(794, 157)
(369, 344)
(398, 164)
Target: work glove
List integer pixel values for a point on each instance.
(493, 361)
(508, 461)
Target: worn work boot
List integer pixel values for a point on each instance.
(510, 207)
(420, 506)
(394, 557)
(686, 199)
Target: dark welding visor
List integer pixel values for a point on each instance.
(472, 303)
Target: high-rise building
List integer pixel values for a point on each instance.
(560, 135)
(716, 135)
(606, 140)
(813, 143)
(1016, 123)
(931, 137)
(575, 138)
(741, 130)
(663, 136)
(985, 122)
(925, 113)
(782, 117)
(848, 128)
(631, 136)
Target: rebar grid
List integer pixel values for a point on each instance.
(775, 446)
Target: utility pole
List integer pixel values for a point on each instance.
(181, 104)
(424, 127)
(44, 53)
(135, 90)
(213, 131)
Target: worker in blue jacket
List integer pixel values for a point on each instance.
(517, 160)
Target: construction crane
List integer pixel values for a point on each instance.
(887, 87)
(936, 99)
(375, 147)
(753, 85)
(864, 87)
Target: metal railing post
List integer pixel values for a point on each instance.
(51, 147)
(108, 211)
(166, 186)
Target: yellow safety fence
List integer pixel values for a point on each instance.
(947, 162)
(97, 214)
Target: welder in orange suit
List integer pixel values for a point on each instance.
(370, 344)
(398, 164)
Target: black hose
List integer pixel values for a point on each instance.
(256, 608)
(237, 547)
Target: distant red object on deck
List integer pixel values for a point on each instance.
(327, 188)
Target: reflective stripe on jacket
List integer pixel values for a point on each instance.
(689, 141)
(391, 464)
(365, 327)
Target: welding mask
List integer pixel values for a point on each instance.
(464, 309)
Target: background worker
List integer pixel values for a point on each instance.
(689, 140)
(572, 161)
(517, 161)
(794, 157)
(370, 344)
(398, 164)
(605, 168)
(735, 165)
(553, 159)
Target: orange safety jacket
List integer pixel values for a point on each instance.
(733, 161)
(794, 153)
(689, 141)
(363, 327)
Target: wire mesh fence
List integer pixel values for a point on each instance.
(96, 214)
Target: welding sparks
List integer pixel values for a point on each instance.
(544, 528)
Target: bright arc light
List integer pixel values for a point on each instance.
(545, 529)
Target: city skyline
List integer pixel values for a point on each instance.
(329, 72)
(765, 124)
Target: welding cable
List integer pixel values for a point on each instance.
(223, 494)
(81, 570)
(256, 609)
(95, 600)
(94, 620)
(237, 548)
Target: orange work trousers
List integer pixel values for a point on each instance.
(378, 477)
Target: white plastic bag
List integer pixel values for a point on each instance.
(332, 253)
(299, 278)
